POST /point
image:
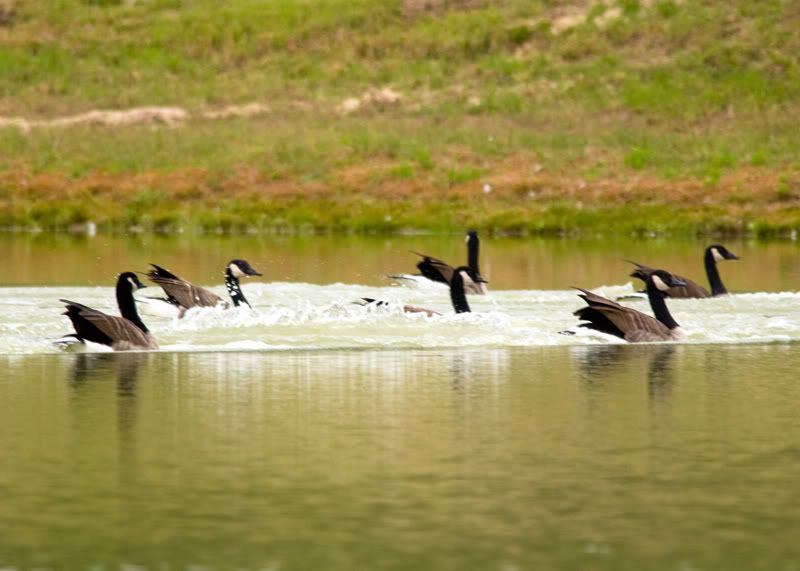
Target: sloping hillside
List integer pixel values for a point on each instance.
(530, 112)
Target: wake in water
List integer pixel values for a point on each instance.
(304, 316)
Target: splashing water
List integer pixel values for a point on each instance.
(305, 316)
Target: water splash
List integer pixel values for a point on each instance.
(292, 316)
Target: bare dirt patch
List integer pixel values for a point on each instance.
(374, 97)
(169, 116)
(247, 110)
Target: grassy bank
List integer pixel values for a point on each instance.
(628, 116)
(375, 198)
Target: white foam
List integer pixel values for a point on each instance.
(305, 316)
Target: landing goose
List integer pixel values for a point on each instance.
(713, 254)
(124, 333)
(606, 316)
(434, 270)
(183, 295)
(457, 296)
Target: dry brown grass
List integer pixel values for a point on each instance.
(368, 197)
(510, 180)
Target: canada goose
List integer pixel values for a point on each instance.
(120, 333)
(608, 316)
(435, 270)
(714, 253)
(457, 296)
(182, 295)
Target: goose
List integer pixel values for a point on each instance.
(183, 295)
(434, 270)
(457, 296)
(713, 254)
(124, 333)
(607, 316)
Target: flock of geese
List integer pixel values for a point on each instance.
(128, 331)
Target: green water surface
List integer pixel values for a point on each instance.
(599, 457)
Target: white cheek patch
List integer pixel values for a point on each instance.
(133, 284)
(716, 255)
(236, 270)
(466, 240)
(659, 283)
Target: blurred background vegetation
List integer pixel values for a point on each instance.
(530, 116)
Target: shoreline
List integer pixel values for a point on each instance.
(508, 199)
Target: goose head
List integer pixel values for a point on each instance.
(127, 283)
(663, 280)
(720, 253)
(130, 280)
(240, 268)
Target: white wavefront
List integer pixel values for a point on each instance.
(305, 316)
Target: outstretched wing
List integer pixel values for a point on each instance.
(181, 292)
(434, 269)
(640, 271)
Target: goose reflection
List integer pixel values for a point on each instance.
(476, 368)
(89, 373)
(98, 367)
(661, 373)
(598, 363)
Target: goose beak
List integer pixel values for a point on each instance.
(732, 256)
(677, 283)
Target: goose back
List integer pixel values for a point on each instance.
(116, 332)
(607, 316)
(181, 292)
(120, 333)
(692, 290)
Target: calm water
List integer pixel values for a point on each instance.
(312, 433)
(48, 259)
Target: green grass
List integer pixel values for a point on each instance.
(672, 90)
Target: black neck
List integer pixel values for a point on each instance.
(234, 289)
(717, 287)
(659, 306)
(127, 307)
(473, 246)
(457, 295)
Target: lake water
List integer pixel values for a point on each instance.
(312, 433)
